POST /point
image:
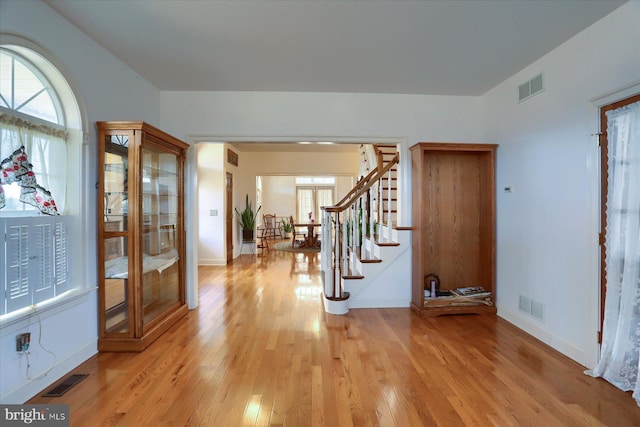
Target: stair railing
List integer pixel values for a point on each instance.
(345, 223)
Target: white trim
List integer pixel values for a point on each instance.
(203, 138)
(537, 330)
(335, 307)
(191, 227)
(212, 261)
(27, 390)
(616, 95)
(20, 319)
(355, 302)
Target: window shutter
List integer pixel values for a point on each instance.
(34, 260)
(17, 292)
(41, 261)
(61, 258)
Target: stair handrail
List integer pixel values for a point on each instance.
(357, 186)
(335, 251)
(343, 205)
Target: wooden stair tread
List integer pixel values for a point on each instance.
(355, 277)
(379, 243)
(387, 243)
(369, 261)
(352, 275)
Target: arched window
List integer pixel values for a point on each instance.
(40, 173)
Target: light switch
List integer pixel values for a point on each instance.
(213, 212)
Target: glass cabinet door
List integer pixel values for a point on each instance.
(116, 259)
(160, 201)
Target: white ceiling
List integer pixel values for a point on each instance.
(440, 47)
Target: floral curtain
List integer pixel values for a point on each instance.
(35, 157)
(620, 353)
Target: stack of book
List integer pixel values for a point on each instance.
(471, 291)
(472, 295)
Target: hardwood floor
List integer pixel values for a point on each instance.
(260, 351)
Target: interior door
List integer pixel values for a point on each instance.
(229, 217)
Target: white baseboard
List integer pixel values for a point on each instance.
(213, 261)
(536, 330)
(26, 391)
(355, 302)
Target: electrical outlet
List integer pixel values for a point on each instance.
(22, 341)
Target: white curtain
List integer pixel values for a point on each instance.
(40, 153)
(620, 353)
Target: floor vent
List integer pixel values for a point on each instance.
(65, 385)
(532, 307)
(537, 310)
(525, 304)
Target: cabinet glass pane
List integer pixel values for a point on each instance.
(115, 182)
(160, 283)
(116, 272)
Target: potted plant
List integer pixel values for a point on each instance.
(287, 228)
(248, 220)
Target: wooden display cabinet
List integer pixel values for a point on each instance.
(453, 192)
(140, 234)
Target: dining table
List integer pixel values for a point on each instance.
(310, 240)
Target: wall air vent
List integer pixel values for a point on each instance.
(530, 88)
(531, 307)
(525, 304)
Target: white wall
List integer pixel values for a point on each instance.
(547, 246)
(284, 116)
(278, 196)
(107, 90)
(211, 159)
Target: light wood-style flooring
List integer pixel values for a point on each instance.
(261, 351)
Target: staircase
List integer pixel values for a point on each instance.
(367, 263)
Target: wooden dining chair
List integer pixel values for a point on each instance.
(272, 227)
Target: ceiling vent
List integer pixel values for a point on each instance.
(530, 88)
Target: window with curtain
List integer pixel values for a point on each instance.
(309, 200)
(620, 352)
(34, 181)
(34, 165)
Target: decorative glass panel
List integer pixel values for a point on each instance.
(116, 168)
